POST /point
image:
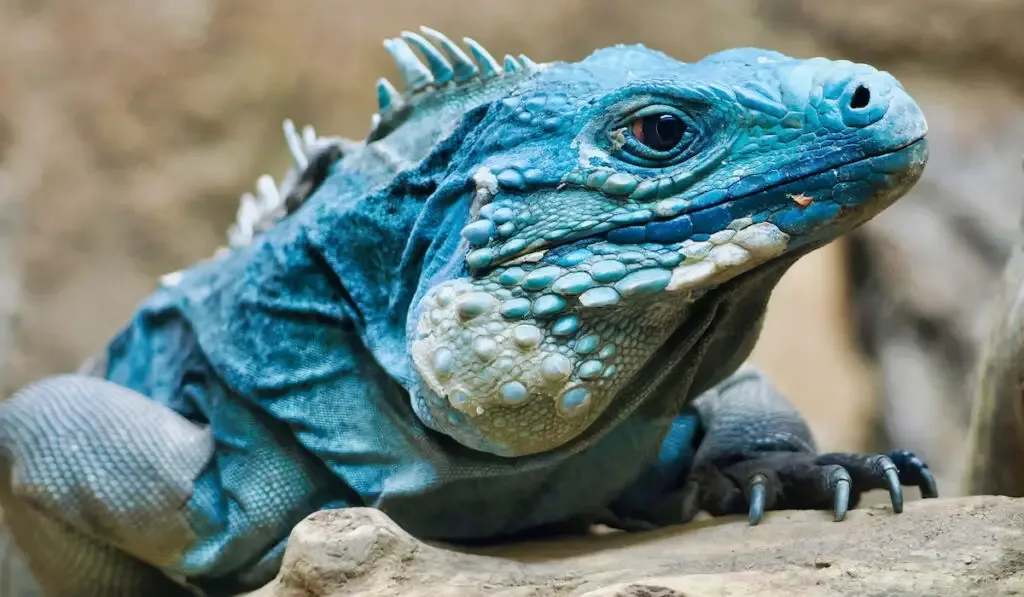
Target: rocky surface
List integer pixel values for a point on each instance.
(963, 546)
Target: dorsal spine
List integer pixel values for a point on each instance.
(446, 66)
(439, 69)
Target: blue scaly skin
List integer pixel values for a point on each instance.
(521, 305)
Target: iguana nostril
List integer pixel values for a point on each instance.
(864, 99)
(861, 98)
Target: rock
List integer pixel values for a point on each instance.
(997, 429)
(962, 546)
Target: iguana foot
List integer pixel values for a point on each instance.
(804, 481)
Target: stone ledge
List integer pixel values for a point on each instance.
(962, 546)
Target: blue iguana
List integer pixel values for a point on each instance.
(521, 305)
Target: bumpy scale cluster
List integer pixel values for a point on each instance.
(554, 335)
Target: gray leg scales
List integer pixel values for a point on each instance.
(93, 481)
(758, 454)
(73, 564)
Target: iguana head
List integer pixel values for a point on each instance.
(589, 205)
(606, 195)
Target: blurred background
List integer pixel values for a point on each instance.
(129, 128)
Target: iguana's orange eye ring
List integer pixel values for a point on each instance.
(660, 132)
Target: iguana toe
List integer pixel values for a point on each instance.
(837, 481)
(914, 471)
(869, 472)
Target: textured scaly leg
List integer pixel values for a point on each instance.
(59, 487)
(758, 454)
(754, 452)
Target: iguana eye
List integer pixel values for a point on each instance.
(660, 132)
(657, 136)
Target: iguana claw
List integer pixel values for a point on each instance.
(803, 480)
(914, 471)
(757, 483)
(889, 471)
(839, 483)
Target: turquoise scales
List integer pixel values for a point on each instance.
(521, 304)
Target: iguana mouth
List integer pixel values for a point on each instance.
(843, 165)
(683, 226)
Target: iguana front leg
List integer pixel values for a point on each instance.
(742, 447)
(81, 460)
(109, 494)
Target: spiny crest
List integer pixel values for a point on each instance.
(272, 202)
(441, 68)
